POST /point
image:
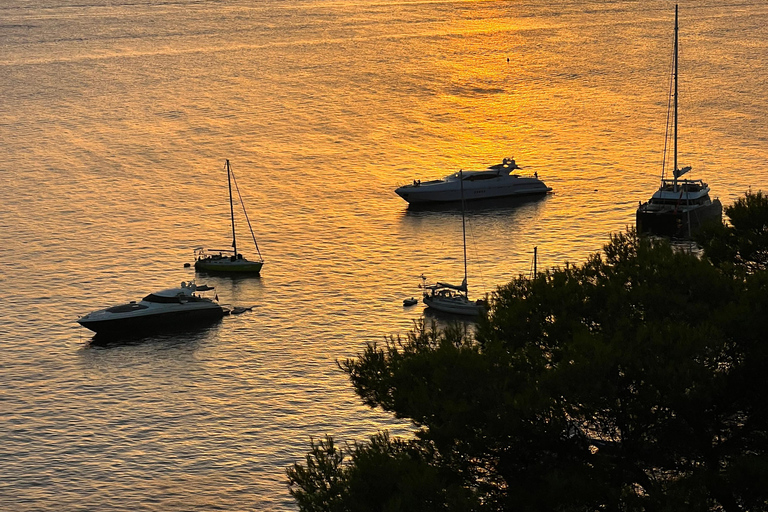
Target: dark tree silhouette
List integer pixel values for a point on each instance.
(631, 382)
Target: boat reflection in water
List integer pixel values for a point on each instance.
(184, 307)
(168, 336)
(494, 182)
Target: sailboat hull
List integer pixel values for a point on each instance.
(455, 305)
(674, 222)
(228, 265)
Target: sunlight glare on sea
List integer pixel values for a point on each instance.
(116, 121)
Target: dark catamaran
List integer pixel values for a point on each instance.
(680, 206)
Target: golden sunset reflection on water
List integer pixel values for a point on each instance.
(116, 122)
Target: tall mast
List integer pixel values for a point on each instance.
(463, 230)
(674, 168)
(231, 209)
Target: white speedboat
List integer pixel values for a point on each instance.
(496, 181)
(680, 206)
(175, 307)
(229, 260)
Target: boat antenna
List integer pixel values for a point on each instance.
(242, 204)
(231, 208)
(463, 231)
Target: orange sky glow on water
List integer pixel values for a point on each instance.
(116, 122)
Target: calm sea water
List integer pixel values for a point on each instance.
(115, 121)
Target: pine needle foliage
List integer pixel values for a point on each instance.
(632, 382)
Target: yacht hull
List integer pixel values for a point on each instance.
(449, 192)
(126, 324)
(674, 222)
(147, 323)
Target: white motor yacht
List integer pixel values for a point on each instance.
(175, 307)
(493, 182)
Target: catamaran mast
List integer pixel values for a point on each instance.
(231, 209)
(674, 168)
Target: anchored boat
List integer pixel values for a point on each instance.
(494, 182)
(173, 307)
(230, 260)
(680, 206)
(450, 298)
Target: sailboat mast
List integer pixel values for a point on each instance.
(674, 168)
(231, 209)
(463, 229)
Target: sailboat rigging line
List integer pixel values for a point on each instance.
(669, 118)
(231, 208)
(473, 245)
(463, 231)
(242, 204)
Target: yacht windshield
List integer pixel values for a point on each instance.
(163, 300)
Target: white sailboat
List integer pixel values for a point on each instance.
(451, 298)
(229, 260)
(680, 206)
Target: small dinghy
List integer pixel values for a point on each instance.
(410, 302)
